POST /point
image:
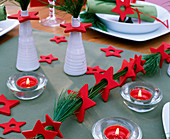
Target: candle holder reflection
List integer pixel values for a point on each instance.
(141, 96)
(27, 85)
(116, 128)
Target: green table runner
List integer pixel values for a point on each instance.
(31, 111)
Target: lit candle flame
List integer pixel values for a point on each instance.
(140, 93)
(117, 131)
(27, 81)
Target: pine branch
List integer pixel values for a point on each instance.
(23, 3)
(67, 105)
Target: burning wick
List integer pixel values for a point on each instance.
(140, 93)
(27, 81)
(117, 132)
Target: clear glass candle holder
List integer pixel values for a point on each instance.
(14, 84)
(99, 128)
(138, 104)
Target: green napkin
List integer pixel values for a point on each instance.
(93, 6)
(2, 13)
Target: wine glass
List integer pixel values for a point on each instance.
(51, 20)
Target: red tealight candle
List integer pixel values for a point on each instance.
(27, 82)
(141, 94)
(117, 132)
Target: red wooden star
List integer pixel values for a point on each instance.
(49, 58)
(58, 39)
(108, 75)
(123, 13)
(87, 102)
(81, 28)
(110, 48)
(12, 126)
(160, 50)
(32, 16)
(139, 65)
(130, 73)
(56, 125)
(96, 69)
(8, 104)
(39, 129)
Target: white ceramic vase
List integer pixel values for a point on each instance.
(75, 59)
(168, 70)
(27, 59)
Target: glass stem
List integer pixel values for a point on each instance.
(52, 10)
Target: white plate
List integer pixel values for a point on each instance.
(7, 25)
(111, 21)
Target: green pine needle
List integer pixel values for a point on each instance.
(23, 3)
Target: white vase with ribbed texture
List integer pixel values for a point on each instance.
(27, 59)
(168, 70)
(75, 59)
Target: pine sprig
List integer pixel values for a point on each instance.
(23, 3)
(72, 7)
(68, 104)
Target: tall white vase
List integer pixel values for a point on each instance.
(168, 70)
(27, 59)
(75, 59)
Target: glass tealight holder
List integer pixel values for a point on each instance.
(100, 129)
(27, 85)
(149, 100)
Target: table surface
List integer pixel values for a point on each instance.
(90, 35)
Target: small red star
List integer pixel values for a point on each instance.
(130, 72)
(96, 69)
(160, 50)
(8, 104)
(139, 65)
(39, 129)
(48, 58)
(128, 9)
(32, 16)
(110, 48)
(58, 39)
(81, 28)
(12, 126)
(56, 125)
(108, 75)
(87, 102)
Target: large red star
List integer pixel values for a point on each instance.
(56, 125)
(8, 104)
(139, 65)
(110, 48)
(128, 9)
(32, 16)
(96, 69)
(130, 72)
(49, 58)
(12, 126)
(58, 39)
(81, 28)
(87, 102)
(39, 129)
(108, 75)
(160, 50)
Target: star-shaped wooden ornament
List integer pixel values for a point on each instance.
(111, 51)
(127, 8)
(39, 129)
(8, 104)
(130, 71)
(81, 28)
(139, 65)
(96, 69)
(160, 50)
(56, 125)
(32, 16)
(87, 102)
(58, 39)
(48, 58)
(108, 75)
(12, 126)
